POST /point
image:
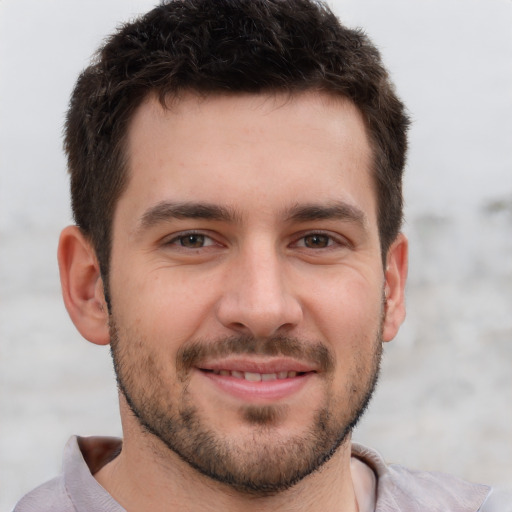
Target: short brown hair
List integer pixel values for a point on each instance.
(224, 46)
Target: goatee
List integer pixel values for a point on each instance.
(263, 463)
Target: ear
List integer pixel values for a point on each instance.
(394, 288)
(82, 286)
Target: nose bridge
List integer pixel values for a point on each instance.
(258, 297)
(265, 278)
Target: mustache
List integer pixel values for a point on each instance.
(194, 353)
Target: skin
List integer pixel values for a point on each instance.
(269, 269)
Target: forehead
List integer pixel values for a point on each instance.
(249, 151)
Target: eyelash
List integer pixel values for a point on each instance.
(175, 240)
(331, 240)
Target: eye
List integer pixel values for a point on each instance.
(192, 241)
(317, 241)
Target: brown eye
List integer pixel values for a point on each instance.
(316, 241)
(192, 241)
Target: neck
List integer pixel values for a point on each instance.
(139, 479)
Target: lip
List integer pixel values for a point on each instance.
(258, 365)
(259, 391)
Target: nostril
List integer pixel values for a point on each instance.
(238, 326)
(248, 312)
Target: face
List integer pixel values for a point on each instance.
(247, 283)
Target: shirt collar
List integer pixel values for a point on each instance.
(400, 489)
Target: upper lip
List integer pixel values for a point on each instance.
(258, 365)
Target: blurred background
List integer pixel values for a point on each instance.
(445, 397)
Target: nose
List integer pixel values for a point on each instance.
(257, 297)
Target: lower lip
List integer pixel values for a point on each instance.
(261, 391)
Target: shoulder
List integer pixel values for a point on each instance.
(400, 488)
(497, 501)
(76, 485)
(48, 497)
(436, 491)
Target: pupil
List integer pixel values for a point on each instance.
(316, 241)
(193, 241)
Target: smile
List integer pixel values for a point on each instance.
(258, 383)
(257, 377)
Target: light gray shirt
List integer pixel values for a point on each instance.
(396, 489)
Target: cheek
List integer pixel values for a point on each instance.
(167, 305)
(346, 307)
(347, 314)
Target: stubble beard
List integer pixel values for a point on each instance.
(262, 464)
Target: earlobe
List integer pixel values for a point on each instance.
(82, 286)
(394, 287)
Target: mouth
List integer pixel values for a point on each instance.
(256, 376)
(258, 382)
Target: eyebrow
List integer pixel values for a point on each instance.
(165, 211)
(338, 210)
(168, 210)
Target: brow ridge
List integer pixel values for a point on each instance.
(337, 210)
(165, 211)
(168, 210)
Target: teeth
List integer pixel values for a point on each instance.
(255, 377)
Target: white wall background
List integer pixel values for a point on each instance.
(445, 398)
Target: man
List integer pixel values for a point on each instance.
(236, 172)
